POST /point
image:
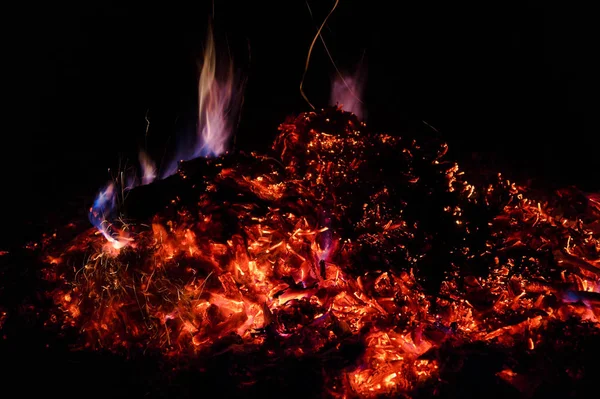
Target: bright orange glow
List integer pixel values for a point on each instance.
(289, 256)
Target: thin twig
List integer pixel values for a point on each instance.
(310, 52)
(339, 73)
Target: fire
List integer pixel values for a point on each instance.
(100, 214)
(3, 317)
(148, 168)
(347, 90)
(338, 239)
(219, 97)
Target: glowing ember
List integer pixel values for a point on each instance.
(3, 317)
(338, 239)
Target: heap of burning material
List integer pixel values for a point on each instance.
(340, 239)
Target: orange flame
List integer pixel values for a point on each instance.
(148, 168)
(217, 96)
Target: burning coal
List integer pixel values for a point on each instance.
(368, 253)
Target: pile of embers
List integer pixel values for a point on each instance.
(367, 256)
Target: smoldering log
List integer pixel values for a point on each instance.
(193, 178)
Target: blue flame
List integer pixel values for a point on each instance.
(101, 211)
(219, 98)
(104, 205)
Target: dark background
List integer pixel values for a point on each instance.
(512, 88)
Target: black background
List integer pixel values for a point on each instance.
(512, 86)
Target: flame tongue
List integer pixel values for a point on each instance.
(100, 214)
(219, 95)
(148, 168)
(347, 90)
(217, 100)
